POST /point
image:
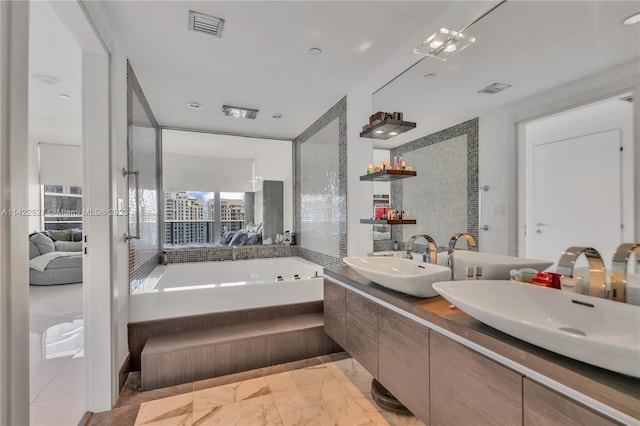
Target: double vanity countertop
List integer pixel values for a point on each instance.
(566, 375)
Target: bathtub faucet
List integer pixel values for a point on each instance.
(234, 252)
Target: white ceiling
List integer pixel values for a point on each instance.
(53, 52)
(261, 61)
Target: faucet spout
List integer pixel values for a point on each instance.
(430, 253)
(596, 268)
(452, 246)
(619, 270)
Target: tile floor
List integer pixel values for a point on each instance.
(318, 391)
(56, 355)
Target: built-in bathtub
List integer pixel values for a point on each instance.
(186, 289)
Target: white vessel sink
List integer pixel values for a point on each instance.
(494, 266)
(596, 331)
(403, 275)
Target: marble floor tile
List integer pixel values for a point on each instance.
(162, 409)
(335, 393)
(209, 399)
(259, 410)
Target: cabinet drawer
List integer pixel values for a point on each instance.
(543, 406)
(470, 389)
(404, 361)
(362, 331)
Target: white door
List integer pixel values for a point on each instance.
(576, 196)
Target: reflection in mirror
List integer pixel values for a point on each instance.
(540, 76)
(215, 196)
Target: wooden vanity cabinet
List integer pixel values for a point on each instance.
(362, 331)
(404, 361)
(468, 388)
(335, 299)
(545, 407)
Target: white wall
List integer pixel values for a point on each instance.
(119, 190)
(272, 158)
(498, 142)
(14, 255)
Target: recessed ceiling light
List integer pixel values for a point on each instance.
(315, 51)
(277, 115)
(64, 96)
(430, 75)
(379, 131)
(46, 79)
(633, 19)
(239, 112)
(194, 105)
(393, 133)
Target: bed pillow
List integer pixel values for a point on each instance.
(44, 243)
(60, 235)
(253, 239)
(76, 234)
(239, 239)
(68, 245)
(226, 239)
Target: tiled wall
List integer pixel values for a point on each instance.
(445, 159)
(320, 188)
(212, 254)
(143, 151)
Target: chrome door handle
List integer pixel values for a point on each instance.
(136, 175)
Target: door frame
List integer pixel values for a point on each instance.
(632, 160)
(14, 161)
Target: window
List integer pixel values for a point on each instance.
(190, 217)
(62, 207)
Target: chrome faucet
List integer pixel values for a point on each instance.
(430, 253)
(234, 252)
(597, 287)
(619, 270)
(452, 246)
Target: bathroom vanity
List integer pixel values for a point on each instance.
(450, 369)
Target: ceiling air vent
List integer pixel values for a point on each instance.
(205, 24)
(494, 88)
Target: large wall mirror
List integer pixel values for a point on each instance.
(456, 102)
(222, 190)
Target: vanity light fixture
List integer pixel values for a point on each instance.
(633, 19)
(239, 112)
(194, 105)
(442, 43)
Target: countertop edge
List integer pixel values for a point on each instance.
(612, 395)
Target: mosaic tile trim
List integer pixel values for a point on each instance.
(321, 259)
(339, 111)
(217, 254)
(470, 128)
